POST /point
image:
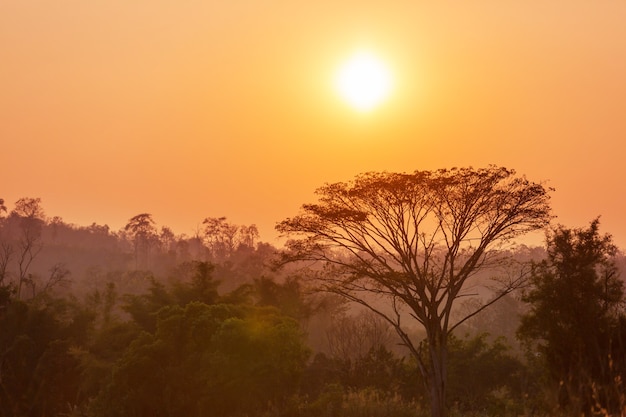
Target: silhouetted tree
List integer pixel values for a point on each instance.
(415, 240)
(31, 219)
(575, 306)
(143, 233)
(220, 237)
(248, 235)
(167, 239)
(351, 338)
(29, 208)
(58, 276)
(6, 251)
(223, 238)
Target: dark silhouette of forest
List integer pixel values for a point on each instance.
(144, 322)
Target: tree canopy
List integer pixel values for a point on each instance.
(415, 239)
(219, 359)
(575, 308)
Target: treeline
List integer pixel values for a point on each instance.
(42, 254)
(143, 322)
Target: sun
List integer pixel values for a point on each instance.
(363, 81)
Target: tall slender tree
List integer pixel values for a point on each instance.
(32, 218)
(143, 233)
(6, 250)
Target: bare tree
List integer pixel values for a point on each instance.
(167, 239)
(6, 250)
(413, 241)
(31, 221)
(58, 276)
(353, 337)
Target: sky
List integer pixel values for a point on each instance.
(195, 109)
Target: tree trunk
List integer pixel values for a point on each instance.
(437, 405)
(438, 351)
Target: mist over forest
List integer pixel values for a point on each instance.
(142, 322)
(312, 209)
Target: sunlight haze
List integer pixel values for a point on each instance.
(188, 110)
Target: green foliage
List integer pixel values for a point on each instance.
(379, 370)
(574, 324)
(99, 357)
(288, 297)
(203, 286)
(143, 308)
(207, 360)
(142, 345)
(480, 375)
(39, 373)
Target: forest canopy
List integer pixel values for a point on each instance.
(142, 321)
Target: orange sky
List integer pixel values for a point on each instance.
(194, 109)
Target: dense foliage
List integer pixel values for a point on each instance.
(207, 360)
(94, 324)
(576, 320)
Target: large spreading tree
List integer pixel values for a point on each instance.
(414, 240)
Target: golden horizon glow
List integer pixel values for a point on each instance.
(189, 110)
(364, 81)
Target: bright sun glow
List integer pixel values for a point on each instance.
(363, 81)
